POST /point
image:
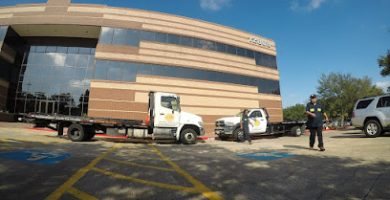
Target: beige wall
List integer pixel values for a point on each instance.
(207, 99)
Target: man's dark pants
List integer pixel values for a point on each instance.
(246, 134)
(316, 131)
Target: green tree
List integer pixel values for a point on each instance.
(339, 93)
(384, 64)
(294, 113)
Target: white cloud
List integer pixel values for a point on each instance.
(214, 5)
(383, 84)
(307, 5)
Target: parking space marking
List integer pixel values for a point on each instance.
(138, 165)
(199, 186)
(80, 194)
(77, 176)
(68, 185)
(145, 182)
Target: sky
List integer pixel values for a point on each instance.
(313, 37)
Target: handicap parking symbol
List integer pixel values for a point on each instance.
(36, 156)
(266, 156)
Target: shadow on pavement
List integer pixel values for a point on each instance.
(299, 177)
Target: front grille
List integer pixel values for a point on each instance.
(219, 123)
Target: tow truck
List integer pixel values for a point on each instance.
(165, 120)
(229, 127)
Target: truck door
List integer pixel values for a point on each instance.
(167, 110)
(258, 122)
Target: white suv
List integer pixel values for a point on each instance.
(372, 115)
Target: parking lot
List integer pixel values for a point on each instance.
(35, 164)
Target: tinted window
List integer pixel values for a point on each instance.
(186, 41)
(133, 37)
(161, 37)
(120, 36)
(264, 85)
(106, 35)
(170, 103)
(363, 104)
(255, 114)
(173, 39)
(384, 102)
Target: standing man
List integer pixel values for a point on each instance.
(315, 113)
(245, 126)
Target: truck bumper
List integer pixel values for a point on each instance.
(224, 131)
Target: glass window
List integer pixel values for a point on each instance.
(363, 104)
(170, 103)
(173, 39)
(51, 49)
(186, 41)
(161, 37)
(241, 51)
(255, 114)
(133, 38)
(106, 35)
(83, 50)
(231, 49)
(130, 70)
(383, 102)
(115, 72)
(73, 50)
(221, 47)
(148, 35)
(41, 49)
(101, 69)
(120, 36)
(62, 49)
(249, 53)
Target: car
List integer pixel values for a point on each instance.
(372, 115)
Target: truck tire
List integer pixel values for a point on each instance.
(76, 133)
(372, 128)
(188, 136)
(238, 135)
(296, 131)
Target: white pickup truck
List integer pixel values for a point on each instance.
(230, 126)
(165, 120)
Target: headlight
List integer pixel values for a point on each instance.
(200, 123)
(229, 123)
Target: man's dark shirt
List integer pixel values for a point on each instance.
(245, 122)
(318, 110)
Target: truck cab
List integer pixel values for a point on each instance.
(168, 120)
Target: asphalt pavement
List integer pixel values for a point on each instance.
(36, 164)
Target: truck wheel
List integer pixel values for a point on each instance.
(372, 128)
(238, 135)
(76, 132)
(223, 137)
(188, 136)
(296, 131)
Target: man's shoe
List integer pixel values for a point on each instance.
(311, 148)
(322, 149)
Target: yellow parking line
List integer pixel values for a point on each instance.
(138, 165)
(77, 176)
(80, 194)
(205, 191)
(145, 182)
